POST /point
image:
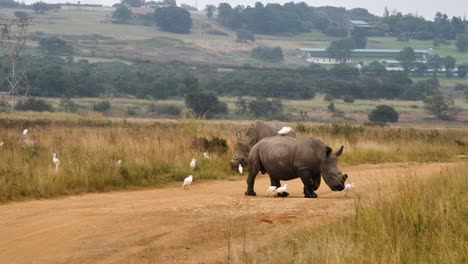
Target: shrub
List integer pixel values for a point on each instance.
(331, 107)
(68, 105)
(33, 104)
(460, 87)
(102, 106)
(216, 32)
(216, 144)
(384, 113)
(348, 99)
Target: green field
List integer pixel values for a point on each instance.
(128, 42)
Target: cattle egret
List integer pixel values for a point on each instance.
(25, 132)
(1, 144)
(119, 162)
(187, 182)
(270, 189)
(205, 155)
(284, 130)
(56, 161)
(348, 188)
(192, 164)
(282, 189)
(240, 169)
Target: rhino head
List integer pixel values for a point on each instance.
(330, 172)
(244, 145)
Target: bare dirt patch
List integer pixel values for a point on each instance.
(170, 225)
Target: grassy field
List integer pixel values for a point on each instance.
(157, 152)
(128, 42)
(420, 223)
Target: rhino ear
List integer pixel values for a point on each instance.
(328, 151)
(238, 134)
(339, 152)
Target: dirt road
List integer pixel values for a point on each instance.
(171, 225)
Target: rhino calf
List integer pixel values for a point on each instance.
(285, 158)
(256, 132)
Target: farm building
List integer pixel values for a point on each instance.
(320, 56)
(352, 24)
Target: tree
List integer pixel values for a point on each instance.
(440, 106)
(21, 15)
(462, 42)
(122, 13)
(262, 107)
(462, 70)
(341, 49)
(205, 104)
(173, 19)
(268, 54)
(133, 3)
(384, 113)
(40, 7)
(435, 62)
(407, 58)
(244, 36)
(210, 10)
(56, 46)
(33, 104)
(8, 3)
(449, 64)
(374, 68)
(359, 37)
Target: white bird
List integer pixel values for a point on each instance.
(270, 189)
(205, 155)
(187, 182)
(25, 132)
(2, 143)
(119, 162)
(240, 169)
(348, 188)
(56, 161)
(284, 130)
(282, 189)
(192, 164)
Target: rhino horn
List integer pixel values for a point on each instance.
(339, 152)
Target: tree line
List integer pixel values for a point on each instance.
(51, 76)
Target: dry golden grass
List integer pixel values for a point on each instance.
(157, 152)
(419, 223)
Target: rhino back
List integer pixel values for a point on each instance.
(283, 156)
(261, 129)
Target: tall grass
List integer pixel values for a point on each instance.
(158, 152)
(418, 223)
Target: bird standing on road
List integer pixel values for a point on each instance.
(25, 132)
(187, 182)
(270, 189)
(240, 169)
(284, 130)
(56, 161)
(348, 188)
(282, 189)
(192, 164)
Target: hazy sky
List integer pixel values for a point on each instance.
(425, 8)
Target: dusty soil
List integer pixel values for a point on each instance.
(171, 225)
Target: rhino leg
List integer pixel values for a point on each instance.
(309, 185)
(254, 168)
